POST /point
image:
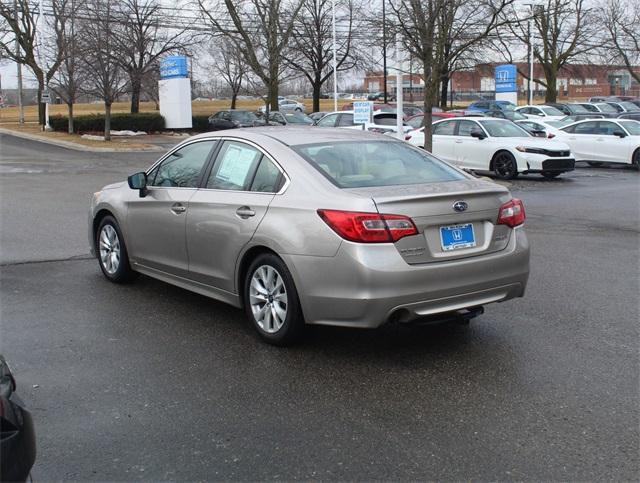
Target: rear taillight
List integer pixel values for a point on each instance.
(407, 137)
(511, 213)
(368, 227)
(551, 136)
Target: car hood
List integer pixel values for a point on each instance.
(114, 186)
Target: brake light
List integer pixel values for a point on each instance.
(368, 227)
(512, 213)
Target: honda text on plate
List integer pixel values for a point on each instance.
(314, 226)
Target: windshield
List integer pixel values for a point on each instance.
(629, 106)
(364, 163)
(503, 129)
(565, 121)
(633, 127)
(606, 107)
(552, 111)
(578, 109)
(243, 116)
(298, 118)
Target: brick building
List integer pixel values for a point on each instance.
(578, 80)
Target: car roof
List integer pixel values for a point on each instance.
(296, 135)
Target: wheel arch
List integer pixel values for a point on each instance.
(100, 215)
(243, 265)
(500, 151)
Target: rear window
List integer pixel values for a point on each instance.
(632, 126)
(359, 164)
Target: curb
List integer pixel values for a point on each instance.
(75, 146)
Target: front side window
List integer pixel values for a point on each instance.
(358, 164)
(181, 169)
(416, 122)
(328, 121)
(589, 127)
(346, 120)
(465, 128)
(503, 129)
(234, 167)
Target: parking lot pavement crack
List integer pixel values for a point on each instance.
(86, 256)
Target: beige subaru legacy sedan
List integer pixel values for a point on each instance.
(315, 226)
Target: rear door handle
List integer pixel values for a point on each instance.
(178, 208)
(245, 212)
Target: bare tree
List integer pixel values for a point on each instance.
(433, 34)
(622, 26)
(142, 40)
(261, 31)
(311, 51)
(20, 21)
(67, 80)
(106, 79)
(228, 64)
(563, 31)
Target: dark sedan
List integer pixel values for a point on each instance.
(17, 437)
(233, 118)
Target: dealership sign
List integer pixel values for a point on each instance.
(506, 76)
(362, 111)
(174, 66)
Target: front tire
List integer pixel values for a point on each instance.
(505, 166)
(635, 160)
(111, 250)
(271, 301)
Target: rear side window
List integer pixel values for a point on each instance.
(234, 168)
(358, 164)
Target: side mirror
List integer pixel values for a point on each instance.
(476, 133)
(138, 181)
(620, 134)
(539, 133)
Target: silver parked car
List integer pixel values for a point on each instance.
(300, 225)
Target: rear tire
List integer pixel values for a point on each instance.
(595, 164)
(271, 301)
(505, 166)
(550, 174)
(635, 160)
(111, 251)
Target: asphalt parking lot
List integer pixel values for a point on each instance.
(148, 381)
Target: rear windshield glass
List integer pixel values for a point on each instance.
(632, 126)
(358, 164)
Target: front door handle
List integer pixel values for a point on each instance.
(245, 212)
(178, 208)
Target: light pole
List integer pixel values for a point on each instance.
(384, 50)
(335, 68)
(399, 86)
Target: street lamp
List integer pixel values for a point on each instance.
(335, 68)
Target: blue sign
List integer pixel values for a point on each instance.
(174, 66)
(362, 112)
(506, 77)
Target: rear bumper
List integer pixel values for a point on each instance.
(367, 285)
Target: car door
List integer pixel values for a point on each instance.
(471, 152)
(610, 147)
(444, 140)
(581, 138)
(156, 223)
(226, 211)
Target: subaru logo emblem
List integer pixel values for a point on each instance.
(460, 206)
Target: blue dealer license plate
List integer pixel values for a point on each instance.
(455, 237)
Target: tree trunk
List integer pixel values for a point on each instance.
(273, 96)
(444, 91)
(107, 121)
(136, 87)
(70, 107)
(551, 77)
(234, 96)
(41, 108)
(316, 96)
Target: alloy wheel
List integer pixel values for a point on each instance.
(109, 249)
(504, 166)
(268, 299)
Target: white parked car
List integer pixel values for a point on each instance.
(534, 127)
(496, 145)
(542, 113)
(383, 122)
(600, 141)
(286, 105)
